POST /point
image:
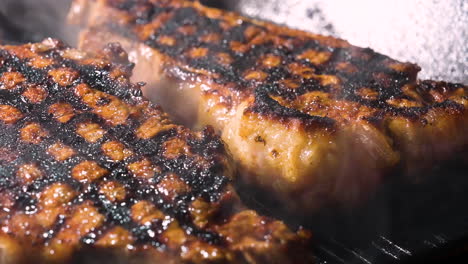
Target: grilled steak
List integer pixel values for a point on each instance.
(89, 168)
(311, 119)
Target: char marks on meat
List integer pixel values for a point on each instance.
(89, 168)
(310, 118)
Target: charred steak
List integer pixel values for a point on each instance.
(311, 119)
(89, 168)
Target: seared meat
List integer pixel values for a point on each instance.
(311, 119)
(89, 168)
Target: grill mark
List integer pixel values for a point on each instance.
(60, 172)
(264, 103)
(368, 63)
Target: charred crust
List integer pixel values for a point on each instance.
(32, 133)
(257, 54)
(266, 106)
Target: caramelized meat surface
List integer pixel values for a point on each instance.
(90, 169)
(311, 119)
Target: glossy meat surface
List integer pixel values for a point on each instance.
(89, 168)
(311, 119)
